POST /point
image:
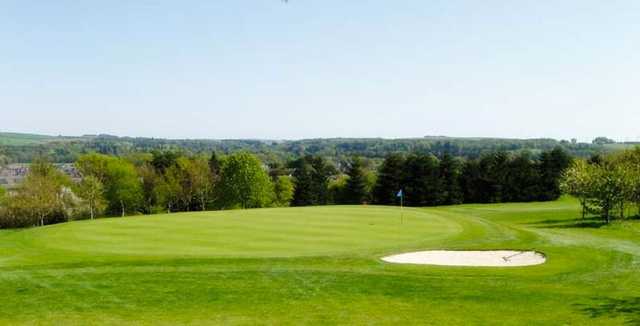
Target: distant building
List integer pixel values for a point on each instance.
(13, 174)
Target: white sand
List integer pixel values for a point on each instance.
(498, 258)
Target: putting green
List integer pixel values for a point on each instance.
(291, 232)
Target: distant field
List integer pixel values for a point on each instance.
(321, 265)
(16, 139)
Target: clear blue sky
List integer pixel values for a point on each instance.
(323, 68)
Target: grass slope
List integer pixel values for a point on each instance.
(18, 139)
(321, 265)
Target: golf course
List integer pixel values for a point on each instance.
(322, 265)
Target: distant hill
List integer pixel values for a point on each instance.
(23, 148)
(19, 139)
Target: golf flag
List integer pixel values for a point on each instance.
(401, 195)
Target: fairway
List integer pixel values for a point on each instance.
(321, 265)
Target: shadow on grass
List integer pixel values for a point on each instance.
(589, 222)
(628, 308)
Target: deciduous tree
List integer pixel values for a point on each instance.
(244, 183)
(91, 190)
(283, 188)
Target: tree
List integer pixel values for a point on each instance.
(311, 175)
(91, 190)
(473, 184)
(628, 162)
(283, 188)
(450, 173)
(602, 188)
(244, 182)
(151, 185)
(202, 181)
(168, 191)
(522, 181)
(3, 196)
(42, 193)
(177, 175)
(552, 165)
(336, 189)
(609, 188)
(122, 188)
(161, 161)
(215, 164)
(576, 181)
(96, 165)
(603, 141)
(389, 180)
(356, 187)
(494, 167)
(422, 186)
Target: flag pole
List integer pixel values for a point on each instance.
(402, 208)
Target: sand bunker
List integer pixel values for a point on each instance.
(497, 258)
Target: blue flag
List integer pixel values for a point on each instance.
(400, 194)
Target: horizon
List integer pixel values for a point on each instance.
(296, 70)
(579, 141)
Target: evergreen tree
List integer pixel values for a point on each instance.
(304, 188)
(522, 182)
(389, 180)
(421, 181)
(473, 184)
(356, 187)
(494, 169)
(311, 175)
(552, 165)
(450, 173)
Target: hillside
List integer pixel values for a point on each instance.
(17, 139)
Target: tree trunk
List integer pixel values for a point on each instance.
(91, 209)
(122, 206)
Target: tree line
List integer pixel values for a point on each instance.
(143, 184)
(493, 178)
(69, 149)
(171, 181)
(608, 186)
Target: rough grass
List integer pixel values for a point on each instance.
(321, 266)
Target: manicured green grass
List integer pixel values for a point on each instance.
(321, 265)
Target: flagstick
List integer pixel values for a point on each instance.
(401, 209)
